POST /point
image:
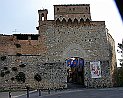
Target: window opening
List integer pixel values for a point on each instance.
(57, 9)
(42, 16)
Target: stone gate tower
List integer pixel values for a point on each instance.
(72, 33)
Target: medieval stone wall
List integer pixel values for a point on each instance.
(9, 46)
(112, 56)
(6, 42)
(90, 36)
(104, 81)
(53, 75)
(87, 40)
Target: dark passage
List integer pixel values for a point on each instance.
(75, 72)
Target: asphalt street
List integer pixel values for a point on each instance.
(74, 93)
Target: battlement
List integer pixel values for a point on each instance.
(72, 11)
(26, 36)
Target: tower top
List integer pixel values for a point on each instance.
(43, 14)
(72, 11)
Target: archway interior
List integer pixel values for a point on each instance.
(75, 70)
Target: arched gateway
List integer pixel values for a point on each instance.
(75, 70)
(74, 55)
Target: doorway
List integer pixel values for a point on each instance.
(75, 70)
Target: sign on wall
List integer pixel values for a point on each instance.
(95, 69)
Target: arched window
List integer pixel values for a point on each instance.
(57, 9)
(42, 16)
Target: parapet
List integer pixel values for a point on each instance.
(72, 11)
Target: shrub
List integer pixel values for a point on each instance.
(20, 77)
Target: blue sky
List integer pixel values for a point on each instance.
(22, 15)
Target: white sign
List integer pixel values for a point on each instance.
(95, 69)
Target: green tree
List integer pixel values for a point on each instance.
(120, 51)
(120, 76)
(120, 69)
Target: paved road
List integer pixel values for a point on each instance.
(14, 94)
(80, 93)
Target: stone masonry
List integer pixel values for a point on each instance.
(72, 33)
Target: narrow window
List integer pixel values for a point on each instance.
(57, 9)
(42, 16)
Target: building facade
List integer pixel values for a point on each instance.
(72, 33)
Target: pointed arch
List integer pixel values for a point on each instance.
(69, 21)
(81, 20)
(64, 21)
(57, 21)
(74, 50)
(42, 16)
(75, 21)
(88, 20)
